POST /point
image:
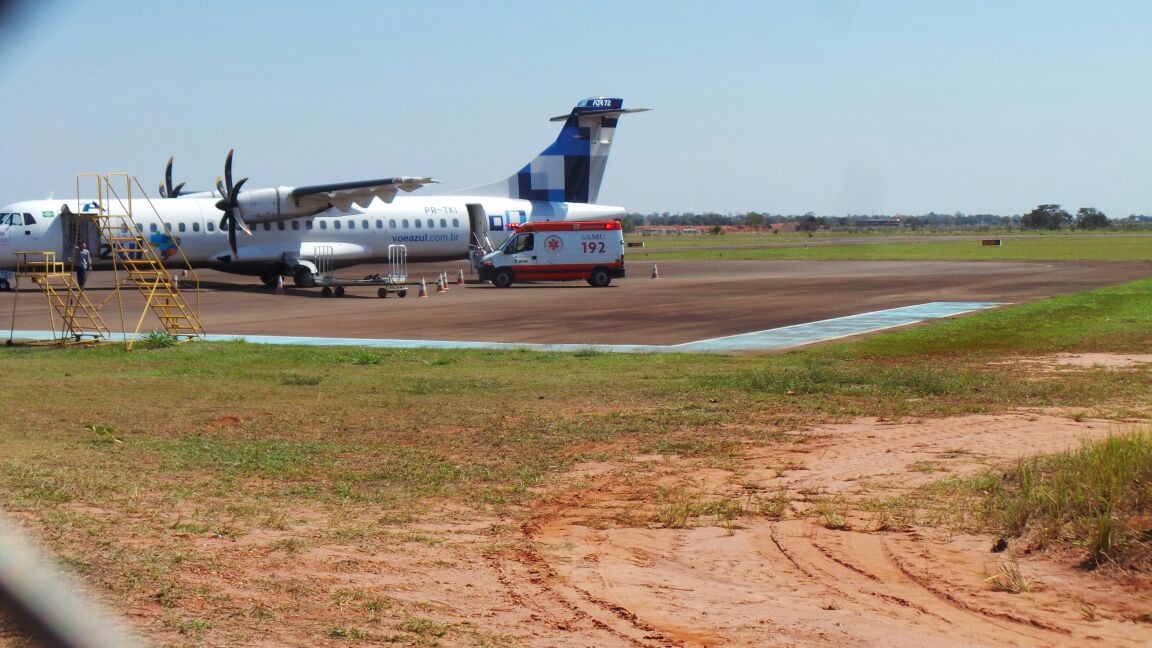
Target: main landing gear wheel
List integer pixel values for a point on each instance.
(303, 278)
(326, 291)
(5, 286)
(270, 276)
(503, 279)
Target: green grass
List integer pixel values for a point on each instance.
(1072, 246)
(128, 463)
(1097, 498)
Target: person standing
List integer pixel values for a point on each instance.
(83, 264)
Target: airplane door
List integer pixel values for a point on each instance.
(76, 229)
(478, 227)
(68, 240)
(478, 243)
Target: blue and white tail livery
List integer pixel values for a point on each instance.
(352, 222)
(572, 168)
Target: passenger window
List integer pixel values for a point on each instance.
(431, 223)
(455, 222)
(323, 225)
(295, 225)
(152, 227)
(195, 227)
(364, 223)
(211, 226)
(391, 223)
(404, 222)
(417, 221)
(280, 225)
(267, 227)
(352, 224)
(444, 223)
(308, 225)
(183, 227)
(336, 224)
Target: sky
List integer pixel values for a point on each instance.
(779, 106)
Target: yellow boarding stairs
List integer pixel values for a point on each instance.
(132, 253)
(79, 317)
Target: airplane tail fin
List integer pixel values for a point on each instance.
(572, 167)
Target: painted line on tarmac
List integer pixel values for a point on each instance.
(787, 337)
(769, 340)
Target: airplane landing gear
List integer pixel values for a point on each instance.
(270, 276)
(303, 277)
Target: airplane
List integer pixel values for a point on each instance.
(354, 222)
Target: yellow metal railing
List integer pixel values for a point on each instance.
(78, 316)
(131, 253)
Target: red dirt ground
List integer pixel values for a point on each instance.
(590, 568)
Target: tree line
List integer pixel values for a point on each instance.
(1043, 217)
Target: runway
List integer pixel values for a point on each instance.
(771, 340)
(694, 306)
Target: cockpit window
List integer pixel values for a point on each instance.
(16, 218)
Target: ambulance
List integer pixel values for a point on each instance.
(558, 251)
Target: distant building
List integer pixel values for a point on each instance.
(878, 222)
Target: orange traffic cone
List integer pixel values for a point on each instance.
(279, 285)
(423, 289)
(460, 277)
(444, 282)
(439, 284)
(655, 272)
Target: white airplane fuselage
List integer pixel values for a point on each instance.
(432, 228)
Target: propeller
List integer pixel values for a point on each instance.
(166, 189)
(229, 203)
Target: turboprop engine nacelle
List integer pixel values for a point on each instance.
(276, 204)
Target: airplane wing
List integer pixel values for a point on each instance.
(343, 195)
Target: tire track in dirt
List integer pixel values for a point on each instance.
(796, 582)
(530, 582)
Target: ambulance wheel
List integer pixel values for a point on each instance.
(326, 291)
(5, 286)
(339, 291)
(503, 279)
(600, 278)
(382, 293)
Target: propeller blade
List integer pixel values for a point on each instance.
(162, 193)
(176, 192)
(168, 178)
(228, 170)
(220, 190)
(232, 237)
